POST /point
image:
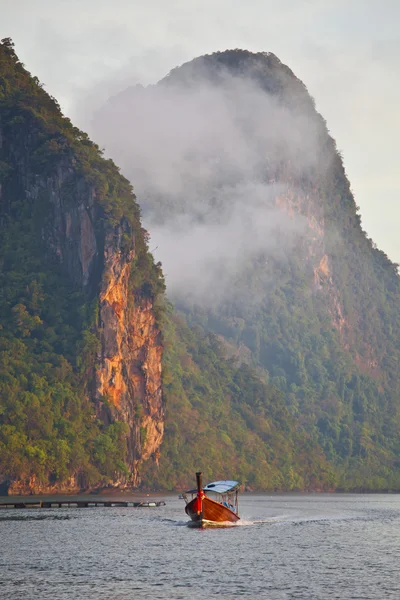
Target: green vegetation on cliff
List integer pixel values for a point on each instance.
(326, 327)
(307, 298)
(49, 432)
(47, 426)
(220, 415)
(222, 418)
(311, 397)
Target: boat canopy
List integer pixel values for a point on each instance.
(218, 487)
(221, 487)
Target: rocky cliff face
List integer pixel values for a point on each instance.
(316, 250)
(89, 225)
(128, 372)
(127, 379)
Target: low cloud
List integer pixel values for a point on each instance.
(203, 259)
(206, 161)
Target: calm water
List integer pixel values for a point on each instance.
(301, 546)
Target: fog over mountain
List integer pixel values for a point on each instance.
(203, 159)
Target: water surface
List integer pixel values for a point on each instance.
(285, 547)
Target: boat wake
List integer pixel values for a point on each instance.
(248, 522)
(222, 525)
(290, 520)
(175, 523)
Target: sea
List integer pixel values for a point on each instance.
(290, 546)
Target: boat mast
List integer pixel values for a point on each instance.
(200, 494)
(199, 482)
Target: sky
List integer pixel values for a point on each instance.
(347, 53)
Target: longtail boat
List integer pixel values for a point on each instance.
(207, 512)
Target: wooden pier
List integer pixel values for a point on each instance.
(80, 504)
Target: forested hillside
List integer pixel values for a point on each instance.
(84, 325)
(223, 418)
(69, 228)
(252, 215)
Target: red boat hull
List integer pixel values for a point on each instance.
(209, 512)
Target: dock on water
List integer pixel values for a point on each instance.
(79, 503)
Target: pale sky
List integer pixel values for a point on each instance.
(347, 53)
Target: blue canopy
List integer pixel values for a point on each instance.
(221, 487)
(218, 487)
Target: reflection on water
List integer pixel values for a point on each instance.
(284, 547)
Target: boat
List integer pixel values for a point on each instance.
(220, 510)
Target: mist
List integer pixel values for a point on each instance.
(206, 163)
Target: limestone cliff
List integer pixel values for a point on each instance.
(128, 372)
(127, 375)
(83, 214)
